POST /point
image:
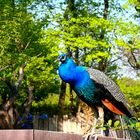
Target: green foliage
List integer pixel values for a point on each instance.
(109, 123)
(49, 105)
(116, 123)
(130, 88)
(130, 36)
(84, 33)
(138, 126)
(23, 40)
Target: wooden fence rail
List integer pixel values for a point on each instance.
(42, 135)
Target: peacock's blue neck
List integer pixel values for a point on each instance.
(67, 70)
(71, 73)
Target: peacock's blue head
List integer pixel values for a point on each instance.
(63, 57)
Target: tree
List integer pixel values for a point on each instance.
(127, 36)
(9, 113)
(128, 42)
(23, 40)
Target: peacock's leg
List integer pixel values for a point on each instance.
(100, 121)
(97, 129)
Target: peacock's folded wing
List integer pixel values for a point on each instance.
(102, 79)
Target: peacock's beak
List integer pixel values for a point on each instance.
(56, 60)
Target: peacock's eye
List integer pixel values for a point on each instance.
(62, 57)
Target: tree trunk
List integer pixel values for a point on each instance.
(106, 6)
(103, 63)
(61, 103)
(9, 113)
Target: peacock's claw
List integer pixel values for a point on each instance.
(87, 136)
(92, 136)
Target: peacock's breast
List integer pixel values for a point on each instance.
(86, 92)
(66, 75)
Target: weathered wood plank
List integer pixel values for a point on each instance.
(108, 138)
(51, 135)
(16, 134)
(46, 125)
(36, 122)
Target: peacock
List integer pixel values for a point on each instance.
(98, 91)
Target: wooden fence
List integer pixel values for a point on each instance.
(64, 124)
(69, 125)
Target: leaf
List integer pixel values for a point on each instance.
(138, 126)
(109, 123)
(116, 123)
(104, 128)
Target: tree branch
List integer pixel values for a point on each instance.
(27, 104)
(28, 44)
(21, 74)
(116, 59)
(13, 89)
(133, 61)
(106, 6)
(3, 68)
